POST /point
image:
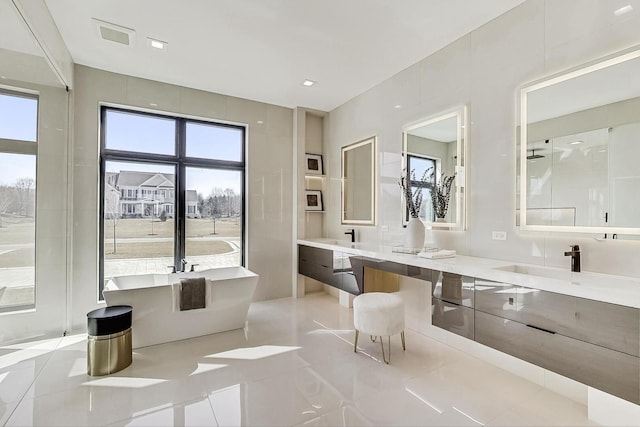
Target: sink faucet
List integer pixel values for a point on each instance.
(574, 253)
(352, 232)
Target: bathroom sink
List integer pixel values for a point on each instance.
(549, 272)
(347, 244)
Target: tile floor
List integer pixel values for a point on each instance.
(294, 365)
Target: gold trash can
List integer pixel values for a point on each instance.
(109, 340)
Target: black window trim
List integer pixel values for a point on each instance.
(30, 148)
(180, 162)
(416, 182)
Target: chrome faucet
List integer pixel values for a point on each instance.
(183, 261)
(574, 253)
(352, 232)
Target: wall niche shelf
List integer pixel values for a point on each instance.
(313, 169)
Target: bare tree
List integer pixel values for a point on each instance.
(23, 187)
(112, 209)
(229, 193)
(213, 206)
(6, 200)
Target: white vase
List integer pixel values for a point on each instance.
(415, 234)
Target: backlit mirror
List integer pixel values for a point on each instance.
(433, 164)
(359, 183)
(579, 168)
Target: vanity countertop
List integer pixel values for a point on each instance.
(609, 288)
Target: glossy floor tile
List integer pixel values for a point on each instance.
(293, 365)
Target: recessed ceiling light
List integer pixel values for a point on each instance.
(623, 10)
(576, 142)
(308, 82)
(397, 106)
(260, 122)
(157, 44)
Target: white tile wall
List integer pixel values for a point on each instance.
(485, 70)
(269, 177)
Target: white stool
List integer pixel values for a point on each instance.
(379, 314)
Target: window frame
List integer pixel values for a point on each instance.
(180, 162)
(25, 147)
(415, 183)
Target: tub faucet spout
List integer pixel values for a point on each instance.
(184, 264)
(574, 253)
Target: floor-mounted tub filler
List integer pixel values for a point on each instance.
(156, 308)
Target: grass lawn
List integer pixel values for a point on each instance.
(138, 227)
(22, 230)
(163, 249)
(17, 230)
(19, 258)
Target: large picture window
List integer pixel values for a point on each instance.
(172, 193)
(18, 151)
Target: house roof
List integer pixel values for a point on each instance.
(146, 179)
(191, 196)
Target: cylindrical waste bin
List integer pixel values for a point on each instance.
(109, 340)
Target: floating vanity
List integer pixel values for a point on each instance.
(584, 326)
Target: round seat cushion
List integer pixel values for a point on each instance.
(378, 314)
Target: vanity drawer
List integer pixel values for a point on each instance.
(319, 272)
(452, 317)
(609, 325)
(608, 370)
(315, 255)
(454, 288)
(547, 310)
(496, 298)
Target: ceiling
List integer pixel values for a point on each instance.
(21, 58)
(264, 49)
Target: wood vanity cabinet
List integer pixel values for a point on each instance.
(593, 342)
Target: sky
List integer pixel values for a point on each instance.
(131, 132)
(157, 135)
(18, 120)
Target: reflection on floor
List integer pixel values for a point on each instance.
(294, 365)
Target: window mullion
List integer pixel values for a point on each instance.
(180, 194)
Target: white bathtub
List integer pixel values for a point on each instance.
(155, 317)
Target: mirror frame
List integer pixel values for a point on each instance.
(578, 71)
(462, 142)
(374, 182)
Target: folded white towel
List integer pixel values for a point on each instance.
(442, 253)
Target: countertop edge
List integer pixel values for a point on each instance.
(625, 292)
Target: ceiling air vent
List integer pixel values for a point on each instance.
(115, 33)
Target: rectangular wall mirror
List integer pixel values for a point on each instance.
(435, 149)
(359, 181)
(579, 168)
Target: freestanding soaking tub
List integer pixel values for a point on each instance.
(155, 301)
